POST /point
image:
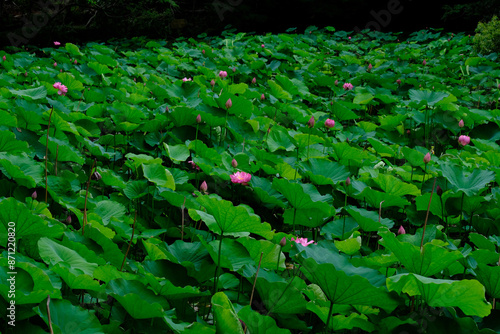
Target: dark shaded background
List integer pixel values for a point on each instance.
(80, 21)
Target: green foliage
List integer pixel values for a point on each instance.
(172, 244)
(487, 38)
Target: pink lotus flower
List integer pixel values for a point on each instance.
(461, 123)
(61, 89)
(229, 104)
(222, 74)
(203, 187)
(254, 80)
(401, 230)
(310, 122)
(186, 79)
(427, 158)
(329, 123)
(241, 177)
(303, 241)
(463, 140)
(348, 86)
(57, 43)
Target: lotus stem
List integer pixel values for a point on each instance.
(427, 217)
(57, 154)
(216, 277)
(442, 215)
(425, 172)
(86, 197)
(379, 218)
(330, 311)
(308, 138)
(183, 206)
(47, 153)
(130, 242)
(48, 314)
(255, 280)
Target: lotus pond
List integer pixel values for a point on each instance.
(284, 183)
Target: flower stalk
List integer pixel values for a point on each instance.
(47, 153)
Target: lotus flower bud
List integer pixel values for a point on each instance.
(311, 122)
(166, 109)
(203, 51)
(262, 46)
(25, 73)
(34, 195)
(198, 119)
(329, 123)
(424, 62)
(234, 69)
(4, 58)
(68, 219)
(203, 187)
(427, 158)
(283, 242)
(439, 191)
(349, 37)
(336, 82)
(254, 80)
(229, 103)
(212, 83)
(234, 163)
(370, 66)
(461, 123)
(348, 181)
(55, 64)
(398, 81)
(463, 140)
(222, 74)
(262, 97)
(401, 230)
(75, 62)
